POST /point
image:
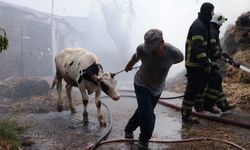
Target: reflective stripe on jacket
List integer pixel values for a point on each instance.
(196, 49)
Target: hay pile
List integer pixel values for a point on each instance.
(235, 75)
(237, 82)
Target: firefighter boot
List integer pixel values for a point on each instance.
(187, 118)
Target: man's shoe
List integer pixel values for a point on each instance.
(129, 135)
(229, 107)
(143, 145)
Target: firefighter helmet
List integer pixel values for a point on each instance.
(218, 19)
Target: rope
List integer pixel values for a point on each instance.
(174, 97)
(124, 70)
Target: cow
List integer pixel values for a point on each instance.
(81, 68)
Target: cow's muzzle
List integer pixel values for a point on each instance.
(116, 98)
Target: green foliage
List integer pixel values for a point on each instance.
(9, 130)
(3, 41)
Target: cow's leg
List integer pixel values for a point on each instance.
(68, 90)
(85, 103)
(98, 106)
(59, 91)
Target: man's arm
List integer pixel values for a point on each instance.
(178, 56)
(131, 63)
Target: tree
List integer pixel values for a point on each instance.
(118, 16)
(3, 40)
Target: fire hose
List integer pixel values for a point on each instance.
(209, 117)
(230, 60)
(101, 141)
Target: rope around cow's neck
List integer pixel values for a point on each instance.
(124, 70)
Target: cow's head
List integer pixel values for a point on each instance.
(108, 85)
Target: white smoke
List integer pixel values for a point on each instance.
(173, 17)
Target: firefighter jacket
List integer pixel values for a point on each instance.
(197, 45)
(216, 50)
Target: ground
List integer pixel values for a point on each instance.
(49, 129)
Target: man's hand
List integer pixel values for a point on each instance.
(128, 68)
(226, 56)
(131, 63)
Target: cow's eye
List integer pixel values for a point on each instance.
(104, 86)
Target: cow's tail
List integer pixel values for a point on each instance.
(55, 81)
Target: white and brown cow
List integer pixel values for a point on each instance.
(81, 68)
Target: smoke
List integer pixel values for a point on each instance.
(173, 17)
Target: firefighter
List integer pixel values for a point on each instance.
(214, 92)
(197, 62)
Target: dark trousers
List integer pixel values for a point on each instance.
(214, 93)
(144, 115)
(196, 83)
(214, 87)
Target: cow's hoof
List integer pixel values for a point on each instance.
(103, 124)
(85, 123)
(59, 108)
(73, 111)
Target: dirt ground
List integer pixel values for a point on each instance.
(52, 130)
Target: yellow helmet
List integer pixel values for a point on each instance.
(218, 19)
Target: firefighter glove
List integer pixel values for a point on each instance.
(226, 56)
